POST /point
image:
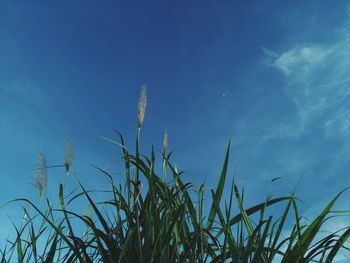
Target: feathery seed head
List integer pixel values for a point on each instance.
(40, 180)
(142, 105)
(68, 156)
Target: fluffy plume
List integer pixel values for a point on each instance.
(165, 141)
(40, 180)
(68, 156)
(142, 105)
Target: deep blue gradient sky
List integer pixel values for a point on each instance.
(271, 75)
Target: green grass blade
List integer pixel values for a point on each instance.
(338, 245)
(309, 234)
(219, 188)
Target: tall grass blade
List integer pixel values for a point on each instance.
(219, 188)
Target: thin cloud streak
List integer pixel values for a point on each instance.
(26, 90)
(317, 82)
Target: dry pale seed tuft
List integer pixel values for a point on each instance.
(68, 156)
(165, 141)
(40, 180)
(142, 105)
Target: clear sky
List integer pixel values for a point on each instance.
(271, 75)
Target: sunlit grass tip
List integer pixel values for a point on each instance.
(165, 141)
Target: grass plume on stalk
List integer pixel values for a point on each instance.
(137, 183)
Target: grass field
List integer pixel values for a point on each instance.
(156, 216)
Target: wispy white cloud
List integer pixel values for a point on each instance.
(270, 53)
(317, 81)
(301, 61)
(317, 85)
(26, 90)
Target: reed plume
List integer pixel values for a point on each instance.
(40, 180)
(142, 105)
(68, 156)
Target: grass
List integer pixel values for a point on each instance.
(150, 218)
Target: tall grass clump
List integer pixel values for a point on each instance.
(148, 217)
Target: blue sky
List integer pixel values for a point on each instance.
(270, 75)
